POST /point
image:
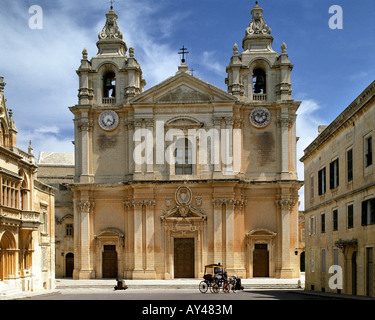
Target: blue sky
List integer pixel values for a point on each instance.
(331, 67)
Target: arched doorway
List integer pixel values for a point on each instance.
(69, 265)
(260, 253)
(7, 255)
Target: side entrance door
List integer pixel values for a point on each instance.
(109, 261)
(260, 261)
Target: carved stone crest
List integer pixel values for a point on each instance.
(184, 209)
(183, 195)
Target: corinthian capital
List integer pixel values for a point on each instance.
(86, 206)
(286, 204)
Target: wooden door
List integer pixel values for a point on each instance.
(109, 262)
(260, 261)
(184, 258)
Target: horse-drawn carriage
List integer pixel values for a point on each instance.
(215, 277)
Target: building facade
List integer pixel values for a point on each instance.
(185, 174)
(340, 202)
(57, 170)
(27, 236)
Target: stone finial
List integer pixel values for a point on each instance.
(2, 84)
(235, 49)
(12, 123)
(283, 47)
(131, 52)
(30, 148)
(84, 54)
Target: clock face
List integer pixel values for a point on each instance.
(108, 120)
(260, 117)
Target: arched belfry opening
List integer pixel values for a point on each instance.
(259, 81)
(109, 85)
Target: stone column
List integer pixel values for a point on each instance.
(229, 233)
(130, 148)
(137, 157)
(217, 145)
(85, 127)
(227, 147)
(284, 124)
(86, 270)
(150, 239)
(237, 145)
(285, 206)
(149, 146)
(218, 230)
(138, 239)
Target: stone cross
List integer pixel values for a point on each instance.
(183, 52)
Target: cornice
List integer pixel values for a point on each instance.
(359, 104)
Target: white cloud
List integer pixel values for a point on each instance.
(211, 63)
(39, 65)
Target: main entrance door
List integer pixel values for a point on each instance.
(184, 257)
(109, 261)
(260, 261)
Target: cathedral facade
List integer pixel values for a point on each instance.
(184, 174)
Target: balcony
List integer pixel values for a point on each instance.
(109, 101)
(260, 97)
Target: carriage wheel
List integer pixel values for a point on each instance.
(203, 286)
(215, 287)
(226, 287)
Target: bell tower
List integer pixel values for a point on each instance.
(111, 77)
(259, 73)
(106, 83)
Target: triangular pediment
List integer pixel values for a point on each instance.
(183, 88)
(184, 93)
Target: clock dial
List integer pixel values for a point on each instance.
(108, 120)
(260, 117)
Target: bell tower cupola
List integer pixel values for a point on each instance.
(111, 40)
(259, 73)
(113, 76)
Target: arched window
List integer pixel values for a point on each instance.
(109, 85)
(259, 81)
(183, 156)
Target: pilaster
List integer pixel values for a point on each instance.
(285, 271)
(85, 212)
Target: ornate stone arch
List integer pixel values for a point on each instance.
(184, 221)
(260, 236)
(109, 237)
